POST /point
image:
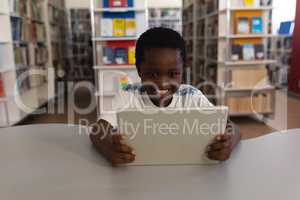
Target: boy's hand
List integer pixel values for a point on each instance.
(110, 144)
(221, 148)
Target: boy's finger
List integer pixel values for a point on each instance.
(219, 145)
(116, 139)
(123, 148)
(125, 157)
(223, 137)
(117, 161)
(221, 155)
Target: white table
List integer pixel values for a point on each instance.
(54, 162)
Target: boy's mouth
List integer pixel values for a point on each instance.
(162, 92)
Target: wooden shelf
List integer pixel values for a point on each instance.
(250, 62)
(247, 36)
(125, 9)
(266, 88)
(106, 94)
(114, 38)
(6, 69)
(247, 8)
(115, 67)
(249, 113)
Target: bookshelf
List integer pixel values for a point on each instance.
(227, 45)
(81, 56)
(116, 25)
(26, 75)
(58, 38)
(165, 17)
(281, 49)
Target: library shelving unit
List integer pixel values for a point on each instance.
(23, 61)
(81, 56)
(58, 37)
(165, 17)
(281, 50)
(116, 25)
(227, 45)
(26, 73)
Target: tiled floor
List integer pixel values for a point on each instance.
(289, 117)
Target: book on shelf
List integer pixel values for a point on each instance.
(248, 52)
(131, 55)
(236, 52)
(106, 27)
(251, 3)
(16, 27)
(41, 55)
(243, 25)
(286, 28)
(38, 32)
(2, 92)
(26, 32)
(121, 56)
(257, 25)
(259, 51)
(119, 27)
(115, 52)
(130, 26)
(117, 3)
(21, 55)
(123, 24)
(108, 55)
(36, 7)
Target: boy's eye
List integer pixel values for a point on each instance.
(153, 74)
(174, 73)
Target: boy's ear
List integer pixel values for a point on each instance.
(138, 71)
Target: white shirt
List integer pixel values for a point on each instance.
(131, 97)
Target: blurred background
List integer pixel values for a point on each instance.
(63, 61)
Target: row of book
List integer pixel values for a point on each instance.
(2, 92)
(82, 56)
(118, 27)
(24, 31)
(247, 25)
(115, 3)
(18, 7)
(30, 55)
(260, 103)
(54, 14)
(255, 3)
(37, 8)
(247, 52)
(80, 15)
(116, 55)
(164, 13)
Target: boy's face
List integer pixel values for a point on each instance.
(161, 74)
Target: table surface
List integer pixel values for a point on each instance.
(58, 162)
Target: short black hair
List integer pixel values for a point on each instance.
(159, 38)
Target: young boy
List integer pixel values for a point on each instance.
(160, 58)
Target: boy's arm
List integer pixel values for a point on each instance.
(109, 144)
(223, 144)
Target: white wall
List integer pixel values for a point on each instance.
(164, 3)
(284, 10)
(77, 3)
(151, 3)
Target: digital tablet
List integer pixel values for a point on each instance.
(171, 136)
